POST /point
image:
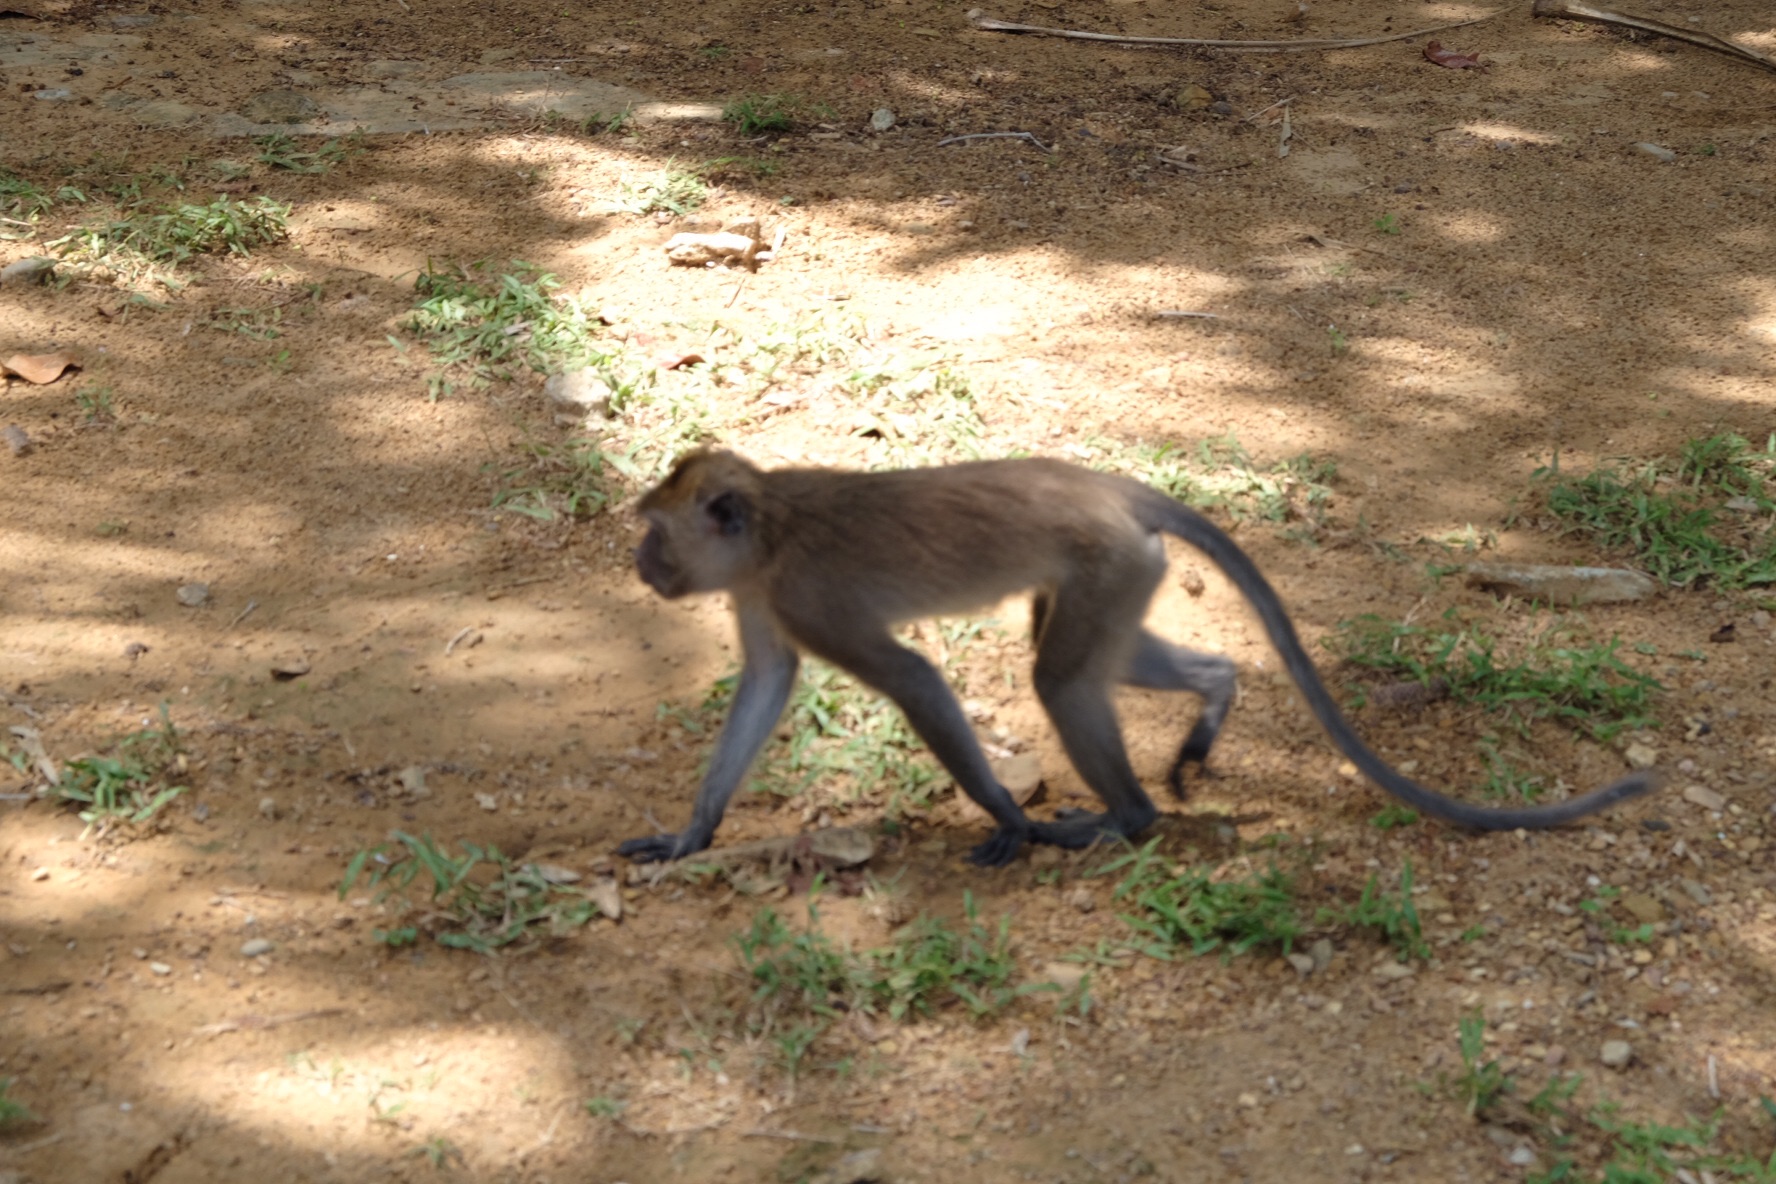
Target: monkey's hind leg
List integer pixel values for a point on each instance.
(1090, 640)
(1158, 665)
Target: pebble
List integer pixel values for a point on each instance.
(1082, 899)
(160, 968)
(1657, 152)
(1393, 971)
(1303, 963)
(1707, 798)
(40, 874)
(256, 948)
(881, 119)
(1697, 892)
(1641, 756)
(17, 439)
(1065, 975)
(1616, 1054)
(193, 595)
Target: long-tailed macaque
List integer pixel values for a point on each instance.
(830, 561)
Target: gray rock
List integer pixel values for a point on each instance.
(280, 106)
(1558, 584)
(881, 119)
(163, 113)
(1616, 1054)
(194, 594)
(257, 948)
(582, 390)
(1708, 799)
(32, 269)
(1657, 152)
(53, 94)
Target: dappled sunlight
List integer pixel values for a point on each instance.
(1509, 133)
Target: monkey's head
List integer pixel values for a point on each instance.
(698, 518)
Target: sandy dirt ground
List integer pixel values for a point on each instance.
(1452, 277)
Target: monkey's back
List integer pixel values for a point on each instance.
(912, 543)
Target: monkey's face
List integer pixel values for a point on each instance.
(700, 545)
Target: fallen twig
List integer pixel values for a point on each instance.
(259, 1023)
(450, 646)
(990, 25)
(244, 613)
(759, 1132)
(1560, 10)
(1182, 314)
(995, 136)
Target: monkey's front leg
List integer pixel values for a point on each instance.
(765, 683)
(931, 708)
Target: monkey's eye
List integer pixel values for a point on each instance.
(728, 512)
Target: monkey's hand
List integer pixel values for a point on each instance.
(1000, 848)
(659, 848)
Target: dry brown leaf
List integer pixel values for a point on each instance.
(38, 368)
(1449, 59)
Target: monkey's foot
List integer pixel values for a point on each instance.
(654, 849)
(1195, 752)
(1074, 829)
(1000, 848)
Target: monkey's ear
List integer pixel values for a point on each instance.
(728, 511)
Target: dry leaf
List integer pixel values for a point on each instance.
(38, 368)
(1191, 97)
(1449, 59)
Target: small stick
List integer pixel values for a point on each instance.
(244, 613)
(737, 290)
(1181, 314)
(1559, 10)
(995, 136)
(759, 1132)
(1256, 115)
(993, 26)
(1713, 1078)
(460, 634)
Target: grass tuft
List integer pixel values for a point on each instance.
(479, 900)
(1704, 517)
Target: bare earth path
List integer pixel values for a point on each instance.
(1450, 278)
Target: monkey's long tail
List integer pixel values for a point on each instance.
(1162, 513)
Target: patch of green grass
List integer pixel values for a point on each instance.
(1387, 224)
(1338, 340)
(572, 479)
(490, 322)
(1392, 816)
(1392, 914)
(1704, 517)
(760, 115)
(803, 981)
(479, 900)
(261, 324)
(1599, 906)
(23, 202)
(668, 190)
(149, 244)
(1175, 908)
(11, 1109)
(1218, 473)
(1588, 687)
(96, 404)
(1482, 1082)
(128, 788)
(604, 1106)
(281, 152)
